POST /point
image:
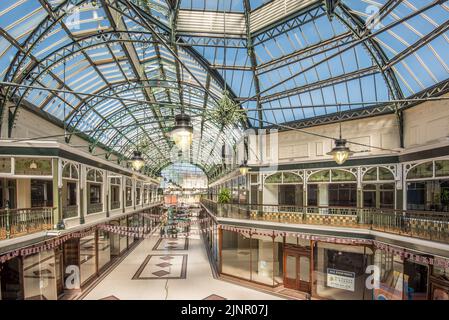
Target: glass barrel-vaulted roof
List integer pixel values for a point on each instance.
(124, 68)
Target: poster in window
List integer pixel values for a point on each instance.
(340, 279)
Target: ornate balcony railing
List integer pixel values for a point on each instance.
(115, 205)
(432, 226)
(129, 203)
(70, 211)
(94, 208)
(18, 222)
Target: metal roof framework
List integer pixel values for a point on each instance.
(119, 70)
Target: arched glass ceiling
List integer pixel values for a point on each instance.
(285, 61)
(184, 175)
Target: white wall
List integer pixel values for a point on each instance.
(427, 123)
(294, 146)
(30, 125)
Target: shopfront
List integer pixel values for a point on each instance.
(328, 269)
(44, 275)
(428, 186)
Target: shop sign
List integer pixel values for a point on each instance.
(340, 279)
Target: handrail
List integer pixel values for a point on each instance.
(432, 226)
(17, 222)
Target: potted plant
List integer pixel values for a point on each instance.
(224, 198)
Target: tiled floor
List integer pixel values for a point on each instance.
(160, 269)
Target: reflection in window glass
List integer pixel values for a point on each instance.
(236, 255)
(87, 257)
(104, 248)
(262, 259)
(39, 276)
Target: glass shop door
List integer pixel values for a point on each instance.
(297, 269)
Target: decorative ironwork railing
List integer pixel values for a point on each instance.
(18, 222)
(94, 208)
(432, 226)
(129, 203)
(70, 211)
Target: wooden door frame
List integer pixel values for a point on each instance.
(298, 252)
(437, 283)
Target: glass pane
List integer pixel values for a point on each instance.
(342, 175)
(385, 174)
(291, 267)
(104, 248)
(322, 176)
(236, 255)
(39, 278)
(424, 170)
(33, 167)
(291, 178)
(66, 171)
(304, 269)
(442, 168)
(87, 257)
(370, 175)
(275, 178)
(5, 165)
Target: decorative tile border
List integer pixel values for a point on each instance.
(160, 274)
(171, 247)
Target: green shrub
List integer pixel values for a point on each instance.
(224, 196)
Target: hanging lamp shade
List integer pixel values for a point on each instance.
(182, 132)
(340, 152)
(244, 168)
(137, 162)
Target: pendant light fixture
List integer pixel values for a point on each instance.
(33, 165)
(340, 152)
(244, 168)
(137, 162)
(182, 132)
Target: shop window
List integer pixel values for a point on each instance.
(35, 167)
(274, 178)
(41, 193)
(312, 195)
(385, 174)
(88, 266)
(342, 176)
(71, 193)
(343, 195)
(5, 165)
(70, 171)
(432, 195)
(391, 276)
(94, 194)
(11, 275)
(39, 280)
(236, 255)
(123, 239)
(370, 175)
(369, 196)
(254, 178)
(421, 171)
(263, 262)
(339, 271)
(104, 249)
(442, 168)
(321, 176)
(415, 281)
(7, 196)
(400, 279)
(289, 177)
